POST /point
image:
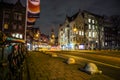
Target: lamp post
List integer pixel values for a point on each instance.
(75, 41)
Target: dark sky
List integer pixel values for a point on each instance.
(53, 12)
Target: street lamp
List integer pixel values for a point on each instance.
(75, 29)
(37, 35)
(53, 36)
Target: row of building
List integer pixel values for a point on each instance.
(12, 19)
(12, 23)
(85, 30)
(37, 39)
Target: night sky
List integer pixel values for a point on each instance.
(53, 12)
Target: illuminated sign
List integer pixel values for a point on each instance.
(81, 47)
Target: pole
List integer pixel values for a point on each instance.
(26, 19)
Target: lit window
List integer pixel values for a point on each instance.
(21, 36)
(93, 34)
(17, 35)
(5, 26)
(89, 20)
(89, 34)
(76, 32)
(93, 21)
(106, 43)
(79, 32)
(89, 26)
(13, 35)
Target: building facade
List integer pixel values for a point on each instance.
(33, 38)
(52, 38)
(12, 19)
(112, 32)
(83, 30)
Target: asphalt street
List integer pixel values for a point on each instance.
(110, 65)
(42, 66)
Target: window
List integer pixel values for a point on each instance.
(76, 32)
(79, 32)
(17, 16)
(20, 27)
(93, 21)
(20, 17)
(14, 26)
(13, 35)
(89, 20)
(89, 34)
(21, 36)
(89, 26)
(96, 27)
(106, 43)
(5, 26)
(17, 35)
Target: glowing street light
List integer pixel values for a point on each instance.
(53, 36)
(75, 29)
(37, 35)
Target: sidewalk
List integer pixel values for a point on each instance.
(45, 67)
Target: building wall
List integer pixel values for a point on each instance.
(110, 34)
(81, 31)
(12, 19)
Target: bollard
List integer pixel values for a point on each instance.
(71, 61)
(91, 68)
(54, 55)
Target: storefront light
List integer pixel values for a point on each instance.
(21, 36)
(13, 35)
(81, 47)
(17, 35)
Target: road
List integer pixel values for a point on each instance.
(110, 65)
(43, 66)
